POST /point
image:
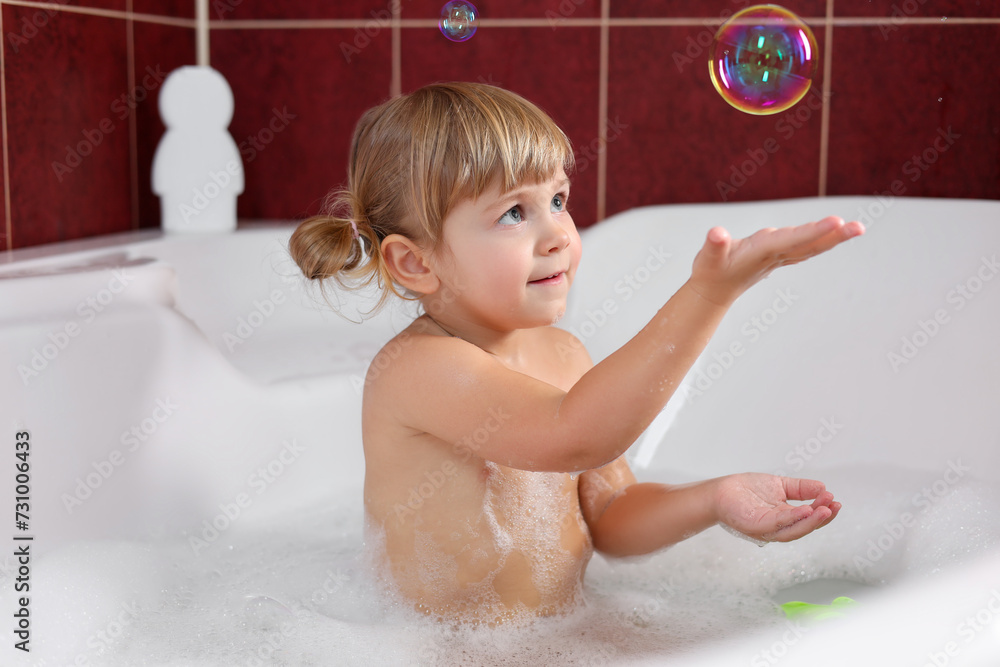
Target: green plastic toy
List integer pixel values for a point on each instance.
(806, 611)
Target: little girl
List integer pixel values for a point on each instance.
(494, 465)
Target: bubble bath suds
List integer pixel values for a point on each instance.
(299, 591)
(528, 530)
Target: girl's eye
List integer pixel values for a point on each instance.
(558, 203)
(511, 217)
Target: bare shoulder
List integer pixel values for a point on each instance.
(415, 366)
(422, 383)
(414, 354)
(567, 348)
(411, 351)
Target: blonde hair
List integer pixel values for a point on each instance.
(412, 160)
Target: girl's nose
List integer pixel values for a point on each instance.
(556, 237)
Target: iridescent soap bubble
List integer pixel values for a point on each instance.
(763, 59)
(459, 20)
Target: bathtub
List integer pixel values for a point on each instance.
(190, 390)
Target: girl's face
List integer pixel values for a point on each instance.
(507, 261)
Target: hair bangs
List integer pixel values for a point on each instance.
(500, 139)
(467, 138)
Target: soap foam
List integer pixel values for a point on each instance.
(301, 592)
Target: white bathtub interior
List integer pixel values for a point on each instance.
(178, 385)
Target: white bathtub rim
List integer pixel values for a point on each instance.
(86, 247)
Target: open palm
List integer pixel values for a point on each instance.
(756, 505)
(725, 267)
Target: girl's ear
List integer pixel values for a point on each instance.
(407, 263)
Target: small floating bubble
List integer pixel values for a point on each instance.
(459, 20)
(265, 610)
(264, 601)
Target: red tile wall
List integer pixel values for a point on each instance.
(908, 100)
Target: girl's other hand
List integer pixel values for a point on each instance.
(725, 268)
(756, 505)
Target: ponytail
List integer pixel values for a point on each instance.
(349, 251)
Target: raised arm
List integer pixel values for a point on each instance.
(635, 382)
(458, 389)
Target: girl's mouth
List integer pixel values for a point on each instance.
(554, 279)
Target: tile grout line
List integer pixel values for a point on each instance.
(8, 223)
(602, 114)
(824, 132)
(202, 49)
(104, 13)
(396, 77)
(262, 24)
(133, 131)
(303, 24)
